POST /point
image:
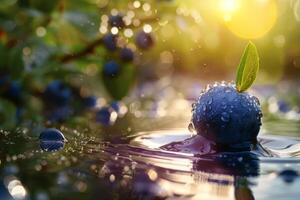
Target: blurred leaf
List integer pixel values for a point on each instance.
(119, 85)
(248, 68)
(7, 114)
(15, 61)
(44, 6)
(3, 56)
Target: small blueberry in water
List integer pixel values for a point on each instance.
(117, 21)
(111, 68)
(288, 175)
(52, 139)
(110, 42)
(144, 40)
(106, 116)
(228, 121)
(90, 101)
(58, 93)
(126, 54)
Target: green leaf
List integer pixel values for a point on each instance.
(119, 86)
(248, 68)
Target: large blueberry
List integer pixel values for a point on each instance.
(111, 68)
(226, 116)
(110, 42)
(58, 93)
(144, 40)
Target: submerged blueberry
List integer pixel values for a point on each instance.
(144, 40)
(52, 139)
(111, 68)
(226, 116)
(58, 93)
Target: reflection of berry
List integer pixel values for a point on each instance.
(106, 116)
(226, 116)
(110, 42)
(126, 54)
(117, 21)
(111, 68)
(57, 93)
(144, 40)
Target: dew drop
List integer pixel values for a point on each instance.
(225, 117)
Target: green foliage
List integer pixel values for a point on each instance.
(119, 85)
(248, 68)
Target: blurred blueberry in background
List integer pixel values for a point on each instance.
(116, 21)
(106, 116)
(58, 93)
(144, 40)
(111, 68)
(110, 42)
(90, 101)
(126, 54)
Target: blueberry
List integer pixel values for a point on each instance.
(111, 68)
(52, 139)
(126, 54)
(110, 42)
(90, 101)
(226, 116)
(58, 93)
(117, 21)
(144, 40)
(106, 116)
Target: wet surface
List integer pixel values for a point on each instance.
(127, 161)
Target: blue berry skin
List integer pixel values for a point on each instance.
(111, 68)
(126, 55)
(110, 42)
(116, 21)
(58, 93)
(144, 40)
(226, 116)
(52, 139)
(104, 116)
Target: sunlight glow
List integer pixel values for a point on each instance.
(248, 19)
